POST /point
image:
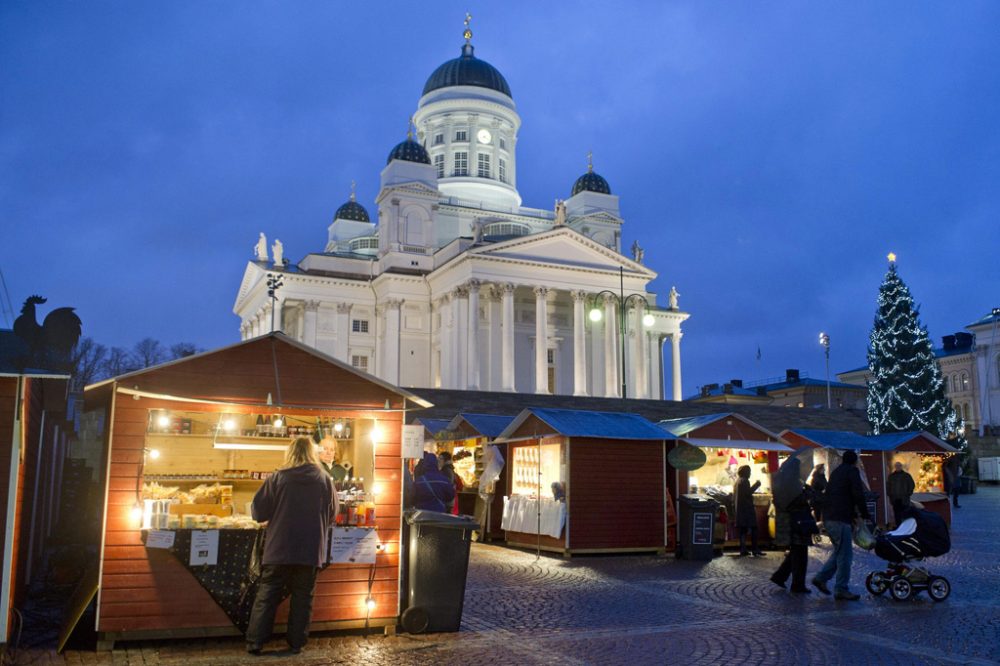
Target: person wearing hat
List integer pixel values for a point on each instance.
(845, 501)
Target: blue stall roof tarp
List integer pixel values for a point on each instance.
(487, 425)
(434, 426)
(585, 423)
(681, 427)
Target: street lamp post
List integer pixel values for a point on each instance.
(596, 315)
(274, 283)
(824, 340)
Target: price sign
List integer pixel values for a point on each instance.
(413, 441)
(702, 528)
(352, 545)
(160, 538)
(204, 547)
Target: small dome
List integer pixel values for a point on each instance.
(467, 70)
(591, 182)
(352, 210)
(409, 151)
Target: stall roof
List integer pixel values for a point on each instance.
(753, 445)
(433, 426)
(682, 427)
(836, 439)
(581, 423)
(271, 370)
(487, 425)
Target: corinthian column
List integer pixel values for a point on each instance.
(494, 358)
(309, 323)
(472, 361)
(343, 332)
(675, 348)
(639, 355)
(579, 344)
(507, 343)
(390, 361)
(447, 363)
(541, 340)
(610, 346)
(460, 306)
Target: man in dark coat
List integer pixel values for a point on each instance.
(297, 502)
(845, 500)
(746, 513)
(899, 487)
(432, 490)
(818, 484)
(953, 478)
(791, 517)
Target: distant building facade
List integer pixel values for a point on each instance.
(795, 390)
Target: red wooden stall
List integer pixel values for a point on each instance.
(729, 440)
(610, 468)
(147, 593)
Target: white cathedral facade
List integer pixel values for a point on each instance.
(457, 285)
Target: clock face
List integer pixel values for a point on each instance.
(484, 136)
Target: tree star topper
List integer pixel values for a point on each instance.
(892, 257)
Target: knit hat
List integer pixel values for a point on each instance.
(850, 458)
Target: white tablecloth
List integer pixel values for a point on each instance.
(520, 514)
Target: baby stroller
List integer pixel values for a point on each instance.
(921, 534)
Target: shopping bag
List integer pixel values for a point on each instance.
(863, 537)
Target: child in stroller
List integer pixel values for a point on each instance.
(921, 534)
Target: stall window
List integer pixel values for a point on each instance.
(534, 469)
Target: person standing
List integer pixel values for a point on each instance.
(298, 503)
(953, 478)
(845, 500)
(818, 484)
(795, 524)
(746, 513)
(900, 488)
(432, 490)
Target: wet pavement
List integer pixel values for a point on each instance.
(655, 610)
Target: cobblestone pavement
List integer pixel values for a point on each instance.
(654, 610)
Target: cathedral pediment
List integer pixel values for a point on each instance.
(412, 188)
(600, 217)
(562, 246)
(251, 276)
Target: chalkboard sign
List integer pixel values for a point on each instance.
(702, 530)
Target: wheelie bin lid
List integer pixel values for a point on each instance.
(438, 519)
(698, 500)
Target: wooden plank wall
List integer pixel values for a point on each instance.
(152, 591)
(8, 409)
(615, 494)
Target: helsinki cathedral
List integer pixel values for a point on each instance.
(455, 284)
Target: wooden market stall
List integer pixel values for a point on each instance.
(584, 482)
(469, 435)
(189, 442)
(728, 441)
(921, 454)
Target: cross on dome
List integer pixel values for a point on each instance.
(468, 32)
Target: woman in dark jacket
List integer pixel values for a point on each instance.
(746, 513)
(818, 484)
(795, 518)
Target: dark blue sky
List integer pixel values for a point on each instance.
(768, 155)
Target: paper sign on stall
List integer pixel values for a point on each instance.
(352, 545)
(204, 547)
(413, 441)
(160, 538)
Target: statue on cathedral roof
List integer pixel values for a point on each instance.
(672, 298)
(260, 249)
(278, 250)
(637, 251)
(560, 213)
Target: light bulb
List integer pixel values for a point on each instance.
(229, 425)
(338, 427)
(595, 315)
(648, 320)
(163, 421)
(154, 454)
(376, 435)
(136, 512)
(370, 603)
(377, 488)
(278, 422)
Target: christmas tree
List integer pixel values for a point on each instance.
(906, 390)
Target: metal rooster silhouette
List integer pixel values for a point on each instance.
(55, 338)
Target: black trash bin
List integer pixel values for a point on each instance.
(967, 485)
(437, 565)
(696, 526)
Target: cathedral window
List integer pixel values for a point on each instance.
(461, 164)
(359, 325)
(438, 139)
(461, 135)
(360, 362)
(502, 170)
(439, 165)
(484, 166)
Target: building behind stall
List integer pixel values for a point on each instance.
(451, 282)
(795, 389)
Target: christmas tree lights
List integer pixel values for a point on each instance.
(906, 390)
